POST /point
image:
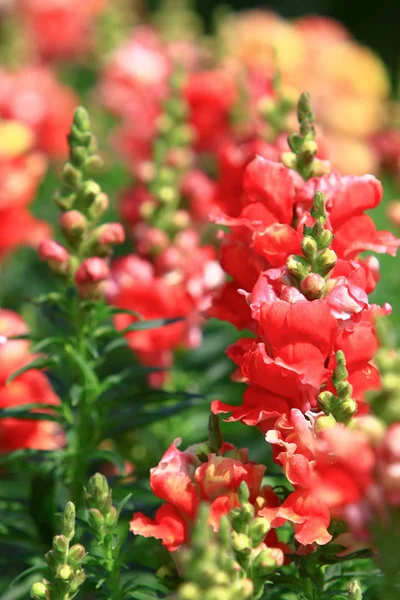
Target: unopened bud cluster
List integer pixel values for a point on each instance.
(302, 157)
(102, 515)
(340, 407)
(248, 535)
(172, 157)
(311, 270)
(64, 563)
(209, 568)
(275, 110)
(385, 402)
(87, 245)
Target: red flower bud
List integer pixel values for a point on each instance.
(111, 234)
(55, 255)
(91, 276)
(49, 250)
(313, 285)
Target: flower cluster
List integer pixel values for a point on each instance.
(84, 258)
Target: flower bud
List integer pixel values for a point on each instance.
(289, 160)
(96, 519)
(90, 190)
(79, 155)
(325, 239)
(79, 579)
(111, 517)
(258, 529)
(324, 422)
(81, 119)
(76, 555)
(217, 592)
(347, 410)
(56, 256)
(241, 542)
(326, 260)
(93, 164)
(60, 546)
(309, 248)
(264, 563)
(65, 201)
(321, 167)
(326, 400)
(344, 390)
(310, 147)
(242, 589)
(73, 224)
(108, 235)
(91, 277)
(167, 194)
(39, 590)
(98, 493)
(313, 286)
(354, 591)
(99, 206)
(68, 525)
(65, 572)
(297, 266)
(71, 175)
(189, 591)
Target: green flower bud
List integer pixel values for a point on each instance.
(242, 589)
(189, 591)
(111, 517)
(325, 239)
(264, 563)
(96, 519)
(81, 119)
(318, 208)
(99, 206)
(258, 529)
(217, 593)
(324, 422)
(98, 492)
(354, 591)
(79, 579)
(167, 194)
(325, 261)
(310, 147)
(65, 201)
(327, 401)
(289, 160)
(241, 542)
(297, 266)
(76, 555)
(93, 164)
(309, 248)
(68, 524)
(71, 176)
(39, 590)
(304, 108)
(340, 373)
(79, 154)
(89, 191)
(347, 410)
(371, 426)
(60, 545)
(65, 572)
(344, 390)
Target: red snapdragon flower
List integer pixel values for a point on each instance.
(31, 387)
(183, 482)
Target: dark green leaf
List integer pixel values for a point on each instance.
(154, 324)
(30, 571)
(24, 412)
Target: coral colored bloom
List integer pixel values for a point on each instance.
(31, 387)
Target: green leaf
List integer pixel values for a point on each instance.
(23, 412)
(154, 324)
(123, 502)
(114, 310)
(38, 363)
(30, 571)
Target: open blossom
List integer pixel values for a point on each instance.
(34, 97)
(183, 480)
(21, 172)
(179, 286)
(31, 387)
(44, 21)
